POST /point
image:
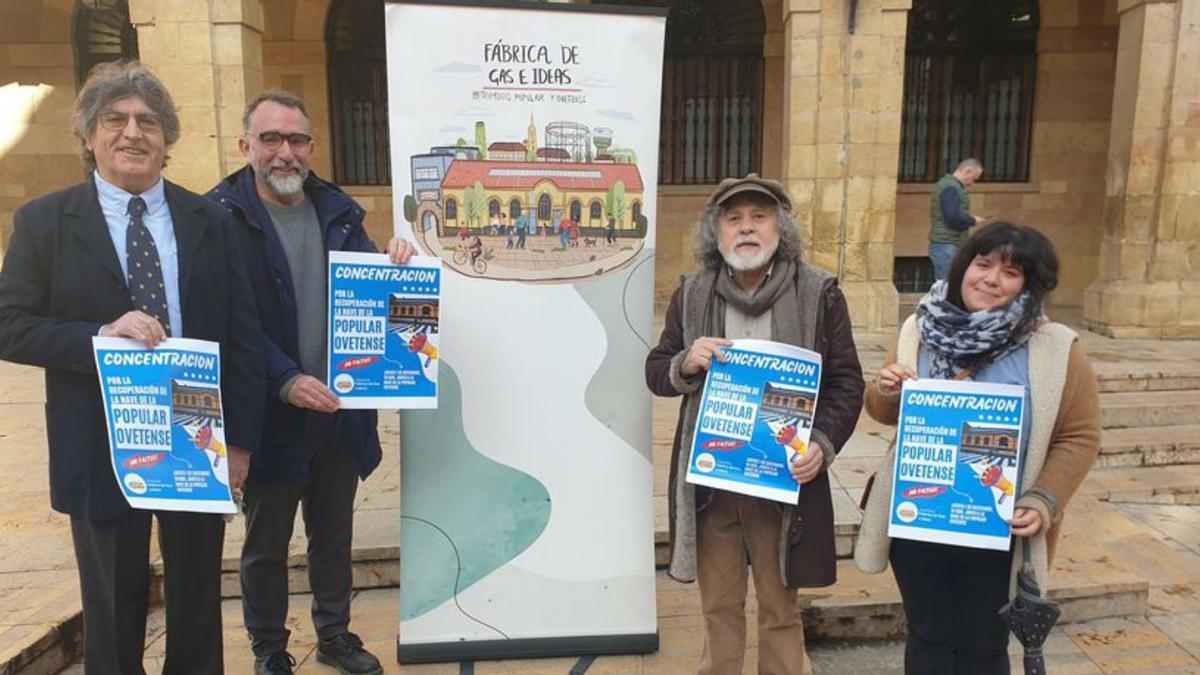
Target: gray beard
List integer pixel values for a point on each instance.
(285, 186)
(747, 263)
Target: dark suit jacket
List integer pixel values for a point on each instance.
(62, 281)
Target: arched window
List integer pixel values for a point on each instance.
(637, 211)
(968, 88)
(576, 210)
(358, 115)
(712, 87)
(451, 209)
(596, 210)
(494, 208)
(102, 33)
(544, 207)
(514, 209)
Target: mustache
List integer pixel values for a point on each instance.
(284, 164)
(747, 240)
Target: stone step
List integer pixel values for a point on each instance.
(379, 567)
(1177, 485)
(868, 606)
(372, 567)
(1108, 564)
(1174, 380)
(1150, 408)
(860, 606)
(1149, 446)
(44, 631)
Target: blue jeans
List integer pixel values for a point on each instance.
(941, 255)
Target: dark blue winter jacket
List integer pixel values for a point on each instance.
(288, 431)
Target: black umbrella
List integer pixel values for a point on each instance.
(1030, 616)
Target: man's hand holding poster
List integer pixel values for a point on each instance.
(383, 331)
(755, 417)
(166, 428)
(958, 458)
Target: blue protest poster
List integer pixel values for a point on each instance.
(383, 331)
(166, 429)
(756, 414)
(958, 458)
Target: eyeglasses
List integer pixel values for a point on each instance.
(115, 120)
(273, 140)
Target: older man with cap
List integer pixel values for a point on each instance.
(753, 284)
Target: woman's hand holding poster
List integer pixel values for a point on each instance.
(166, 428)
(958, 454)
(755, 416)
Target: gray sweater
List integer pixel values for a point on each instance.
(299, 231)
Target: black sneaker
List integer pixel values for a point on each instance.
(345, 652)
(277, 663)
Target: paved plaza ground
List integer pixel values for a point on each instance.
(1128, 571)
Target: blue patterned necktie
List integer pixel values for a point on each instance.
(145, 271)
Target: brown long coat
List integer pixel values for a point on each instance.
(811, 558)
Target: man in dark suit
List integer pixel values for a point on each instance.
(128, 254)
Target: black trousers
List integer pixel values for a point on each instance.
(952, 597)
(328, 509)
(114, 580)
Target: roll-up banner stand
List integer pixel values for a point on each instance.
(524, 149)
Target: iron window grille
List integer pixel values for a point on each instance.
(711, 124)
(102, 34)
(969, 88)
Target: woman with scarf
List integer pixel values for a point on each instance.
(985, 322)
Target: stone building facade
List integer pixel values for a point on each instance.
(1107, 144)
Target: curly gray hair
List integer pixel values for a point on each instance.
(708, 254)
(114, 81)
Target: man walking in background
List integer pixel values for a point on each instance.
(950, 214)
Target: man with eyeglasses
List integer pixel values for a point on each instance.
(128, 254)
(312, 453)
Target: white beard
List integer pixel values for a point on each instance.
(746, 263)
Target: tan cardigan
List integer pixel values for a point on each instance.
(1063, 442)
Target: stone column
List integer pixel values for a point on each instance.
(209, 55)
(771, 164)
(1149, 275)
(842, 96)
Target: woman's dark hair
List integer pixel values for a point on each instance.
(1020, 246)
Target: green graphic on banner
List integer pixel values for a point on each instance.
(627, 329)
(449, 544)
